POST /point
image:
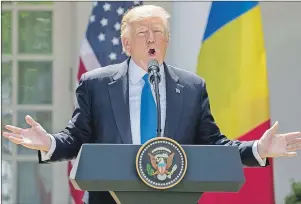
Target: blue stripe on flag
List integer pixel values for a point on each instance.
(223, 12)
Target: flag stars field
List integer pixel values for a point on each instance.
(107, 7)
(117, 26)
(101, 37)
(92, 18)
(113, 56)
(104, 22)
(115, 41)
(120, 11)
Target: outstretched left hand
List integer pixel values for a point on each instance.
(272, 144)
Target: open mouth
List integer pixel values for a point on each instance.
(152, 52)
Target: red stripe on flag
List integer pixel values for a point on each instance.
(81, 69)
(258, 188)
(77, 195)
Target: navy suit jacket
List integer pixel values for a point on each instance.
(102, 116)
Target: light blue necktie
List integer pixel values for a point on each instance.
(148, 113)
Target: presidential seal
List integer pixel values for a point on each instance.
(161, 163)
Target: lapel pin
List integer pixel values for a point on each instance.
(178, 90)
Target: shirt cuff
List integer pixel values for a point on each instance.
(47, 155)
(261, 161)
(85, 198)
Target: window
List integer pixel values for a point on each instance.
(30, 63)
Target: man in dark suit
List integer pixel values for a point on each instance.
(115, 104)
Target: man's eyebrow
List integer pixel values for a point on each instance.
(158, 26)
(141, 28)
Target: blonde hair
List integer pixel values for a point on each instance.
(141, 12)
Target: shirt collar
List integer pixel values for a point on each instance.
(136, 73)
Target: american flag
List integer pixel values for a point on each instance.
(100, 47)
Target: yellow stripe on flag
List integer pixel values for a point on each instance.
(233, 63)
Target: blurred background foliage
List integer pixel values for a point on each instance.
(295, 196)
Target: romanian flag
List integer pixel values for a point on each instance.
(232, 61)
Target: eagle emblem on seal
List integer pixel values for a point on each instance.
(161, 162)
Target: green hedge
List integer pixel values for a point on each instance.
(295, 196)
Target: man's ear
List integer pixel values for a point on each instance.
(126, 44)
(167, 37)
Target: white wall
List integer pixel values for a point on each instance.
(188, 27)
(282, 30)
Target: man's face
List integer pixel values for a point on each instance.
(147, 39)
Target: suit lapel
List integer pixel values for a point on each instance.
(174, 102)
(119, 96)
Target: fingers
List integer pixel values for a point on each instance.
(19, 140)
(14, 129)
(274, 128)
(272, 131)
(15, 138)
(9, 134)
(18, 130)
(294, 141)
(294, 147)
(291, 136)
(31, 121)
(289, 154)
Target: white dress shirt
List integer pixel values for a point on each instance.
(136, 84)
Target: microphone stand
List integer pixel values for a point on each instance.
(156, 85)
(155, 79)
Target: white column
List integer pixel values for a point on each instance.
(189, 20)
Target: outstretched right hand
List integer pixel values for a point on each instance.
(33, 138)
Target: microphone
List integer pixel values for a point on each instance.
(155, 78)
